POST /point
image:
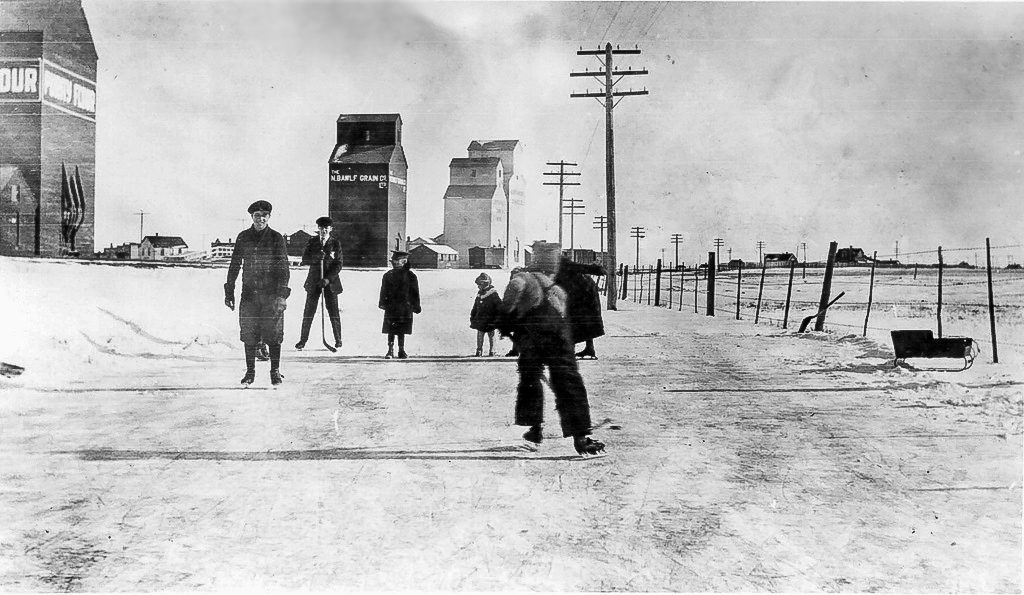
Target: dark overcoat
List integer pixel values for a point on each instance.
(262, 258)
(484, 315)
(330, 254)
(400, 299)
(584, 299)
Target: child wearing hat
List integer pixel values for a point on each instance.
(400, 299)
(483, 316)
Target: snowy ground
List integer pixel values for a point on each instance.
(747, 458)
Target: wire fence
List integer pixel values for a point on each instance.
(952, 299)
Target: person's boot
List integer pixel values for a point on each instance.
(534, 434)
(276, 377)
(514, 352)
(390, 354)
(479, 352)
(587, 353)
(250, 377)
(402, 354)
(587, 447)
(300, 344)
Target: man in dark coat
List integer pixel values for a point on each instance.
(262, 256)
(400, 299)
(323, 257)
(584, 307)
(534, 309)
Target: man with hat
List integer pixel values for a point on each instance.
(400, 299)
(323, 256)
(262, 256)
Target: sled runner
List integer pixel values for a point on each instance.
(10, 370)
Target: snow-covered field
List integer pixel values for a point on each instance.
(742, 457)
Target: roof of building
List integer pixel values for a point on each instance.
(778, 256)
(363, 154)
(159, 241)
(301, 232)
(484, 191)
(59, 21)
(369, 117)
(492, 145)
(423, 240)
(436, 248)
(475, 162)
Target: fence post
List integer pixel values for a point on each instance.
(696, 284)
(915, 271)
(760, 290)
(625, 281)
(657, 286)
(739, 276)
(826, 286)
(650, 273)
(671, 287)
(871, 292)
(789, 292)
(711, 284)
(991, 302)
(938, 310)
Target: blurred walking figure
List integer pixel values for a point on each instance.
(323, 257)
(534, 309)
(584, 307)
(262, 257)
(483, 317)
(400, 300)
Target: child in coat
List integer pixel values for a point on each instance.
(483, 317)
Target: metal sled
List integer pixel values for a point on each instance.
(922, 344)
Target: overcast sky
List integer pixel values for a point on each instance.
(866, 124)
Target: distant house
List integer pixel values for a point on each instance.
(433, 256)
(419, 241)
(584, 255)
(297, 242)
(126, 251)
(158, 247)
(735, 263)
(851, 255)
(779, 259)
(221, 250)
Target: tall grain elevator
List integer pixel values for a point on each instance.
(47, 129)
(367, 188)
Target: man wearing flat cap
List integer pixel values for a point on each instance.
(323, 257)
(262, 256)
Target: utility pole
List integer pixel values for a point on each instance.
(730, 254)
(561, 183)
(572, 207)
(638, 233)
(719, 242)
(142, 216)
(601, 224)
(677, 239)
(760, 246)
(608, 95)
(897, 250)
(804, 271)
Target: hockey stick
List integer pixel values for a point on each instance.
(323, 298)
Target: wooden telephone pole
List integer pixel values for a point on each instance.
(561, 183)
(609, 98)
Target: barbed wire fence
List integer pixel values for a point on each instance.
(971, 300)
